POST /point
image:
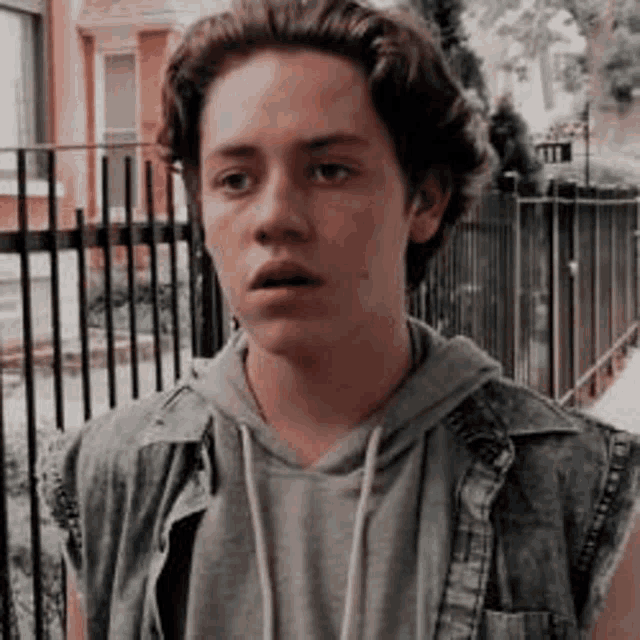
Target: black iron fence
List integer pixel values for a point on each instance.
(549, 286)
(207, 332)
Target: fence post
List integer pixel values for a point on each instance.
(636, 311)
(209, 292)
(555, 294)
(517, 282)
(613, 304)
(27, 337)
(628, 230)
(106, 224)
(596, 294)
(574, 268)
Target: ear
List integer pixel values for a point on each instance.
(426, 210)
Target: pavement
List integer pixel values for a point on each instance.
(12, 355)
(620, 404)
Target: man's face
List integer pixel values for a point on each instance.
(299, 177)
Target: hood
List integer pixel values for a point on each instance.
(444, 372)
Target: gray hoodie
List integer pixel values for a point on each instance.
(347, 547)
(469, 507)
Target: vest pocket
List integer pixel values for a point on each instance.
(527, 625)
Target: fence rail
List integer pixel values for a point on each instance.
(549, 286)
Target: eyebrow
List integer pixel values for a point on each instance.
(314, 144)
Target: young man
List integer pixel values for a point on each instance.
(339, 469)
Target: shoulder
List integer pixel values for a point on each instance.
(530, 417)
(177, 415)
(589, 467)
(587, 455)
(93, 465)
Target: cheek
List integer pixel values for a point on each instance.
(347, 223)
(222, 233)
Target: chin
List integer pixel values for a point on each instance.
(282, 336)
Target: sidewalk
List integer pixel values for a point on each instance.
(620, 404)
(12, 357)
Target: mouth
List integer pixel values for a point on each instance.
(295, 281)
(285, 276)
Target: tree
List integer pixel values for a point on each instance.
(533, 32)
(530, 28)
(509, 136)
(611, 28)
(446, 15)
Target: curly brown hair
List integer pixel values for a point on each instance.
(435, 129)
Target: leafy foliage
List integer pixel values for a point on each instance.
(510, 138)
(446, 15)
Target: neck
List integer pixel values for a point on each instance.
(329, 387)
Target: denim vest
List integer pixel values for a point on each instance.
(544, 501)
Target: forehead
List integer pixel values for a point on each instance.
(277, 93)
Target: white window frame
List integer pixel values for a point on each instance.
(35, 9)
(105, 49)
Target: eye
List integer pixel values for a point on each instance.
(331, 172)
(235, 183)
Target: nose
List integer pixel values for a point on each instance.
(282, 212)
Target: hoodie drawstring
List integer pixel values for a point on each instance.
(261, 543)
(351, 599)
(352, 596)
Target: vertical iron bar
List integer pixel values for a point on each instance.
(30, 395)
(517, 286)
(636, 310)
(106, 223)
(461, 257)
(5, 577)
(575, 283)
(131, 277)
(82, 301)
(588, 133)
(596, 293)
(613, 286)
(474, 276)
(496, 292)
(449, 291)
(174, 277)
(55, 313)
(456, 282)
(504, 292)
(217, 330)
(486, 304)
(555, 294)
(531, 284)
(154, 276)
(55, 293)
(437, 292)
(193, 278)
(628, 316)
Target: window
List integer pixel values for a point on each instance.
(22, 107)
(120, 123)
